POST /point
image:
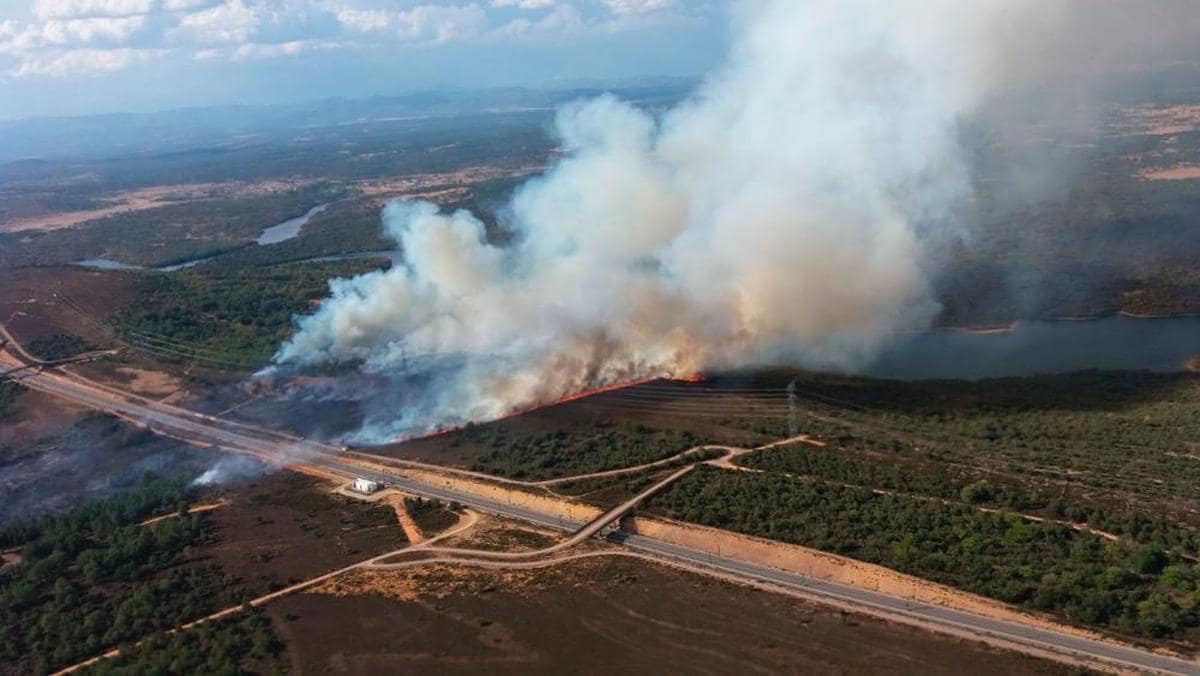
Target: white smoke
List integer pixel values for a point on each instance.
(781, 214)
(229, 468)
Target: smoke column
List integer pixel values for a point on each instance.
(784, 213)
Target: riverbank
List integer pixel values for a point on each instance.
(1114, 342)
(1001, 328)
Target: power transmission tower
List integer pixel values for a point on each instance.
(793, 414)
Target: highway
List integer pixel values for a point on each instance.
(285, 449)
(1020, 634)
(1059, 642)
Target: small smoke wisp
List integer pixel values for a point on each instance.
(784, 213)
(228, 469)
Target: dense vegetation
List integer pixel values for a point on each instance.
(223, 647)
(93, 578)
(1110, 435)
(54, 346)
(229, 319)
(153, 496)
(574, 450)
(609, 490)
(1140, 590)
(10, 393)
(431, 516)
(956, 484)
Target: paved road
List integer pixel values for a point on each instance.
(934, 614)
(1085, 648)
(207, 429)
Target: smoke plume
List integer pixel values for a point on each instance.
(786, 212)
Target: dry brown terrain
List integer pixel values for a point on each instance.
(1160, 120)
(287, 527)
(423, 183)
(1179, 172)
(32, 301)
(146, 198)
(600, 616)
(38, 415)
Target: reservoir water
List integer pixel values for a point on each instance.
(105, 264)
(272, 235)
(289, 228)
(1032, 347)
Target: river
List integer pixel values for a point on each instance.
(1031, 347)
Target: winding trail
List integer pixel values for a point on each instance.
(470, 520)
(195, 509)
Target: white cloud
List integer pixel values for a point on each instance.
(114, 29)
(423, 23)
(563, 20)
(67, 9)
(638, 6)
(180, 5)
(257, 51)
(525, 4)
(82, 62)
(365, 20)
(229, 22)
(64, 33)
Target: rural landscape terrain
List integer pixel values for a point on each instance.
(1013, 484)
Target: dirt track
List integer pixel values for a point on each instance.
(609, 615)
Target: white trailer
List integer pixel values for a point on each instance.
(364, 486)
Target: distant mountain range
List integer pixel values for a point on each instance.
(88, 137)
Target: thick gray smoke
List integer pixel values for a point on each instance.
(784, 213)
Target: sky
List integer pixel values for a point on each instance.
(77, 57)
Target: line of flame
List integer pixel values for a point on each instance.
(693, 378)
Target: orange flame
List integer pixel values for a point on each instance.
(693, 378)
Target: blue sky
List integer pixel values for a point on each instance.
(71, 57)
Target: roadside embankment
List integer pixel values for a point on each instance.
(833, 568)
(544, 504)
